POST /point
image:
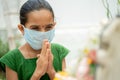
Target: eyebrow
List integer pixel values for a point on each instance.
(34, 26)
(51, 24)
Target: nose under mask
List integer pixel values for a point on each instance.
(35, 38)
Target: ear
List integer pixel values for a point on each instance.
(20, 27)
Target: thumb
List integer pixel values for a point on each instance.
(38, 55)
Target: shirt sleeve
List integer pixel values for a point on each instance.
(62, 51)
(8, 60)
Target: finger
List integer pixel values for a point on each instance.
(44, 42)
(44, 46)
(49, 46)
(48, 52)
(50, 56)
(51, 52)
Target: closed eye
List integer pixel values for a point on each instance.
(49, 27)
(34, 27)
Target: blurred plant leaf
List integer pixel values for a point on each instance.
(4, 48)
(118, 1)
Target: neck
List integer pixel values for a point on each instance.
(31, 50)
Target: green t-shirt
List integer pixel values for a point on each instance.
(25, 67)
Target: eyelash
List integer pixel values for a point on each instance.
(47, 28)
(35, 28)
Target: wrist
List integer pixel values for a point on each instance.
(52, 74)
(36, 75)
(51, 70)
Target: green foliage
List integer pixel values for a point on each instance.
(2, 76)
(118, 1)
(106, 5)
(4, 48)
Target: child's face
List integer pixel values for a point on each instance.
(40, 20)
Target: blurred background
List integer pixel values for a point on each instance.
(76, 21)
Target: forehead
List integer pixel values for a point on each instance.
(42, 16)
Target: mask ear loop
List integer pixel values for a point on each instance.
(23, 26)
(24, 29)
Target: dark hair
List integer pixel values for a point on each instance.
(32, 5)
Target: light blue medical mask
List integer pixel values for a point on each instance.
(35, 38)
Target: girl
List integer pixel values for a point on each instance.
(38, 58)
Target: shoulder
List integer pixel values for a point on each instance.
(59, 49)
(11, 53)
(9, 59)
(56, 45)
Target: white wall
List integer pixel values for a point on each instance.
(76, 19)
(80, 12)
(74, 12)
